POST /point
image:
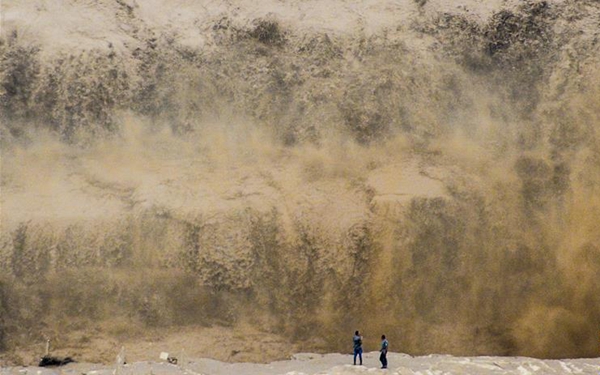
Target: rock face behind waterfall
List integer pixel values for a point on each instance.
(418, 168)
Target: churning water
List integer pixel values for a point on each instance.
(422, 170)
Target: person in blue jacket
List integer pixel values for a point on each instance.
(357, 339)
(384, 350)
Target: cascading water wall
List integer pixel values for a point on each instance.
(433, 175)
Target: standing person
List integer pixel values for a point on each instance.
(384, 350)
(357, 339)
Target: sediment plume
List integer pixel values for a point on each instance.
(419, 168)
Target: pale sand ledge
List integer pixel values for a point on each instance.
(308, 364)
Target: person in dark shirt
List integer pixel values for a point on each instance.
(384, 350)
(357, 339)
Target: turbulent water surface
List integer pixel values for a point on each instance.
(291, 171)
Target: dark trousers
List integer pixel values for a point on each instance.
(383, 359)
(358, 352)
